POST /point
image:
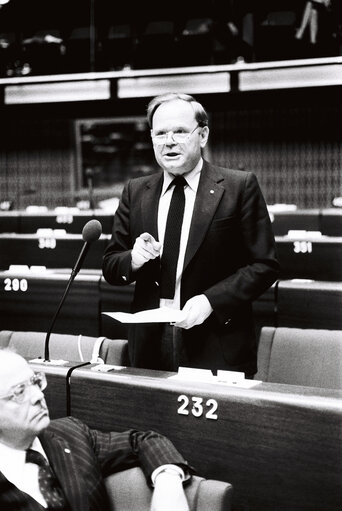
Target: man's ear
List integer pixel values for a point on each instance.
(204, 136)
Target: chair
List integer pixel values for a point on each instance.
(195, 43)
(156, 47)
(64, 346)
(295, 356)
(128, 491)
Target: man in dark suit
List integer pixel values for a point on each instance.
(80, 458)
(226, 253)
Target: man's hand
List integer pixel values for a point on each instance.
(197, 310)
(144, 249)
(168, 494)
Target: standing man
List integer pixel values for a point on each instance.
(195, 237)
(61, 465)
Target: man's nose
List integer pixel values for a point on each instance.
(36, 394)
(169, 138)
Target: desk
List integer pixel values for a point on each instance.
(72, 222)
(9, 221)
(331, 222)
(310, 257)
(300, 219)
(49, 251)
(279, 445)
(29, 300)
(70, 219)
(309, 304)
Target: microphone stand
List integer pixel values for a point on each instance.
(74, 272)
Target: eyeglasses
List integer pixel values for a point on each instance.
(19, 392)
(179, 137)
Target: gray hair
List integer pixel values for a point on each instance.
(201, 115)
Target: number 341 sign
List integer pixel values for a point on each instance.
(197, 407)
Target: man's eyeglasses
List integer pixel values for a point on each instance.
(19, 392)
(179, 137)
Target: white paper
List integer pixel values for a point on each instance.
(161, 315)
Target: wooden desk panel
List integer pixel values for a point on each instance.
(49, 251)
(300, 219)
(9, 221)
(309, 304)
(28, 301)
(70, 221)
(331, 222)
(279, 445)
(310, 258)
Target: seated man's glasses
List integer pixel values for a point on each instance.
(179, 136)
(19, 393)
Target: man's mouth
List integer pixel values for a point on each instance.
(171, 154)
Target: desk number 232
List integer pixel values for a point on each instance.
(197, 407)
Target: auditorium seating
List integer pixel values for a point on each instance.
(328, 221)
(29, 300)
(308, 304)
(308, 357)
(30, 297)
(278, 445)
(72, 220)
(128, 491)
(50, 249)
(298, 219)
(67, 347)
(309, 256)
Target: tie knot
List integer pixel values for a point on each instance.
(36, 457)
(179, 181)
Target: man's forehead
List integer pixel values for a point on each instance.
(13, 369)
(175, 110)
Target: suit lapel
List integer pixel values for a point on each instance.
(150, 202)
(61, 458)
(208, 197)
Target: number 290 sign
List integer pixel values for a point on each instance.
(197, 407)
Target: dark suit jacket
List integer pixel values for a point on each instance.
(230, 257)
(81, 458)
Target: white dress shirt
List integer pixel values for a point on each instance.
(192, 178)
(23, 475)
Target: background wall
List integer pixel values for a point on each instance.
(292, 141)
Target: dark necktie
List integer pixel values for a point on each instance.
(173, 229)
(48, 483)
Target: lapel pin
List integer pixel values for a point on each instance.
(211, 191)
(67, 451)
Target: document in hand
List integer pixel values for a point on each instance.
(161, 315)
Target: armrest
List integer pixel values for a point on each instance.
(128, 491)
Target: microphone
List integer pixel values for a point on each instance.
(91, 232)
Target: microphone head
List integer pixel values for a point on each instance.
(92, 231)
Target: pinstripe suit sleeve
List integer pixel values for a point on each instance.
(117, 451)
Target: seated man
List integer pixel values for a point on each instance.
(61, 464)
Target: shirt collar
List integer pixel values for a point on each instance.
(192, 177)
(13, 460)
